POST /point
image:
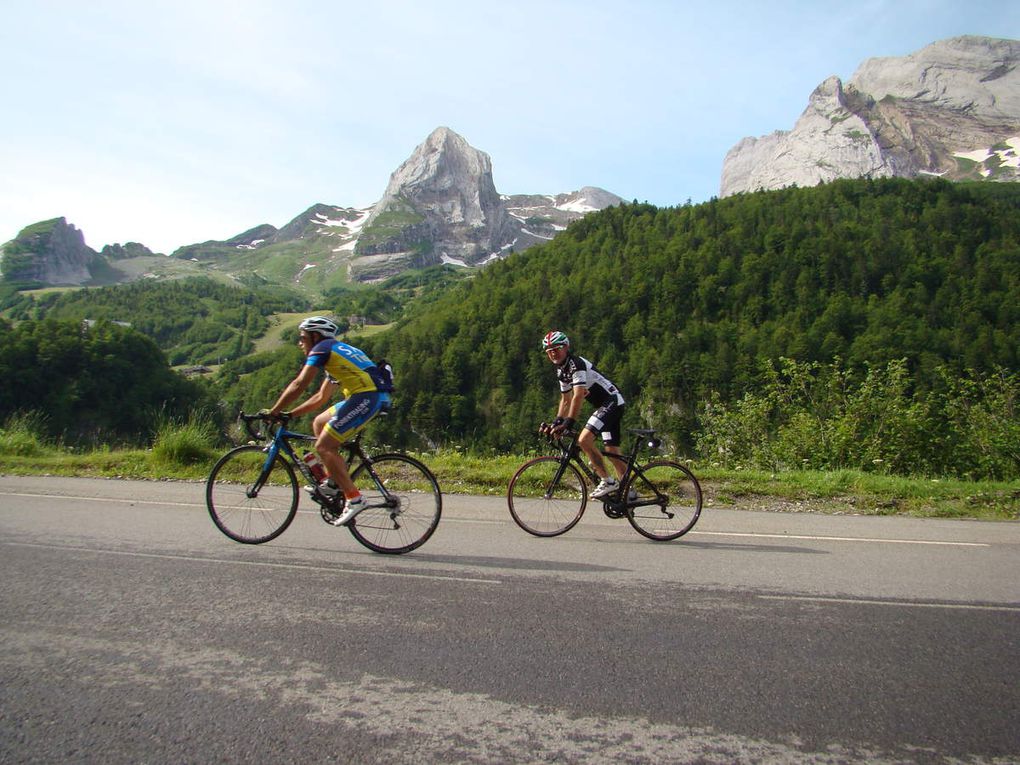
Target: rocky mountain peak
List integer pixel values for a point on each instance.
(951, 109)
(49, 252)
(444, 160)
(440, 204)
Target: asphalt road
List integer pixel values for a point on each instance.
(132, 631)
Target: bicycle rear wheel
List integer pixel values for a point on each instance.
(410, 504)
(247, 504)
(542, 505)
(668, 501)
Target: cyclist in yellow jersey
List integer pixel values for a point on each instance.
(366, 392)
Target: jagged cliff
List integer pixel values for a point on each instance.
(951, 109)
(441, 206)
(51, 252)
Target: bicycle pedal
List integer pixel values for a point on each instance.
(329, 516)
(614, 511)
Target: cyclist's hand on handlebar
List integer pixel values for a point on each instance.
(267, 414)
(561, 426)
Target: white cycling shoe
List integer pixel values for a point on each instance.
(351, 509)
(606, 486)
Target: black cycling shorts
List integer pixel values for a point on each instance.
(605, 421)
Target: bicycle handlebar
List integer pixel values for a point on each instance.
(283, 418)
(545, 431)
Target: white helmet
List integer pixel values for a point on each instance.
(319, 324)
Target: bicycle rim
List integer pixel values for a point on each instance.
(416, 500)
(246, 505)
(542, 507)
(668, 501)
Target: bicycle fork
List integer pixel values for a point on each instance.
(389, 501)
(556, 479)
(267, 468)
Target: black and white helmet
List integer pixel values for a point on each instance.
(319, 324)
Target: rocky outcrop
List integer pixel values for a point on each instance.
(441, 206)
(50, 252)
(951, 109)
(440, 203)
(124, 251)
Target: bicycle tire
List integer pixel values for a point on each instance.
(677, 496)
(251, 520)
(419, 505)
(540, 508)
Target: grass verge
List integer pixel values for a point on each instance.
(834, 492)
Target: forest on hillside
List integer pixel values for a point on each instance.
(98, 383)
(194, 320)
(702, 303)
(864, 324)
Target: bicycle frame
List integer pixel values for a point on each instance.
(614, 505)
(280, 441)
(660, 498)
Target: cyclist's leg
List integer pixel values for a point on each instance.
(611, 416)
(605, 422)
(348, 418)
(586, 440)
(321, 419)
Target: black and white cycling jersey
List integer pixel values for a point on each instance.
(578, 371)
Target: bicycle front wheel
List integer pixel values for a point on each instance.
(542, 505)
(664, 500)
(404, 504)
(248, 503)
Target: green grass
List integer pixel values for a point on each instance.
(858, 493)
(184, 451)
(278, 324)
(368, 330)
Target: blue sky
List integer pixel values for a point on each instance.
(169, 123)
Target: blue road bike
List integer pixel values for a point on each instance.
(252, 492)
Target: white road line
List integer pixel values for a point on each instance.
(753, 535)
(901, 603)
(162, 502)
(266, 564)
(839, 539)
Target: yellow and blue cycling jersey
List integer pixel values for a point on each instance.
(348, 366)
(366, 391)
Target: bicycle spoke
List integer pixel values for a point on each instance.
(667, 500)
(404, 504)
(542, 504)
(246, 504)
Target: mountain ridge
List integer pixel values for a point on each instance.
(440, 206)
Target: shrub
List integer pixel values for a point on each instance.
(812, 416)
(21, 436)
(184, 443)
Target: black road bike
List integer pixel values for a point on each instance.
(252, 492)
(548, 495)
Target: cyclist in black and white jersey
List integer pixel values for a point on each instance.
(580, 380)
